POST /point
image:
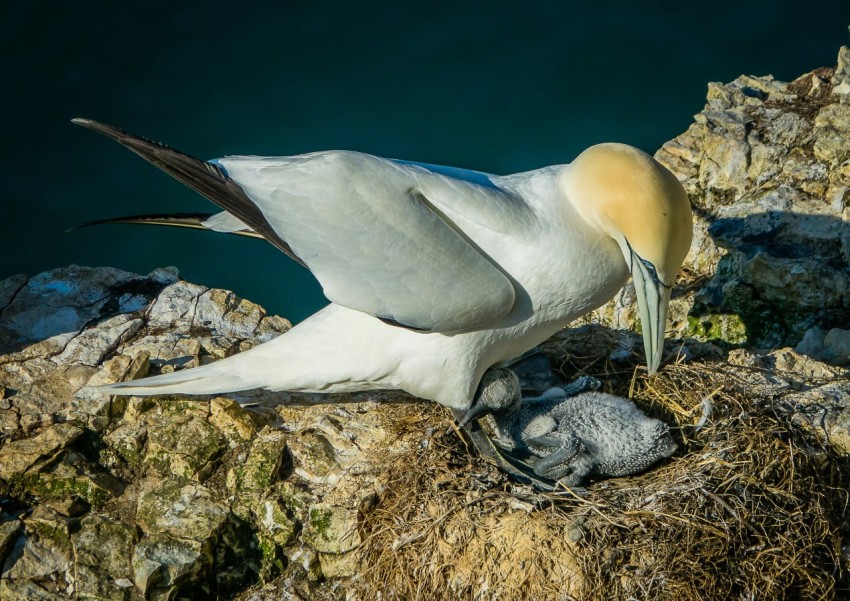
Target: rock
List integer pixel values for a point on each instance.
(102, 548)
(231, 420)
(18, 456)
(824, 410)
(120, 479)
(275, 520)
(332, 529)
(832, 346)
(13, 590)
(160, 563)
(104, 544)
(787, 361)
(72, 479)
(39, 564)
(181, 441)
(9, 529)
(767, 167)
(837, 346)
(262, 463)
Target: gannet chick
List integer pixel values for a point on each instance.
(573, 431)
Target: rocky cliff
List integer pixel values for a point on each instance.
(266, 496)
(767, 167)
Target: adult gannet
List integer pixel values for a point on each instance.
(434, 274)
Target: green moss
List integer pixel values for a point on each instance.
(57, 532)
(161, 462)
(50, 486)
(177, 406)
(272, 559)
(260, 471)
(130, 453)
(320, 520)
(293, 498)
(183, 447)
(262, 466)
(726, 327)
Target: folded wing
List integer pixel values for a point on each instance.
(378, 234)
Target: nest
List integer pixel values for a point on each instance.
(750, 507)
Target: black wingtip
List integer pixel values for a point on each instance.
(205, 178)
(110, 131)
(187, 220)
(95, 222)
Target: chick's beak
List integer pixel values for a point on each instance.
(653, 297)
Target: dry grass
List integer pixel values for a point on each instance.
(751, 507)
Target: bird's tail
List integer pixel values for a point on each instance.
(226, 375)
(208, 379)
(206, 178)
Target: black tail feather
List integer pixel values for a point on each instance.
(205, 178)
(187, 220)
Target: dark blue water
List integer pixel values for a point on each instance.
(503, 89)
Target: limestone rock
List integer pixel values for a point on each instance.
(832, 346)
(180, 509)
(767, 167)
(118, 479)
(181, 441)
(261, 465)
(9, 529)
(105, 544)
(332, 529)
(17, 456)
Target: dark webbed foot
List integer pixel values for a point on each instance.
(499, 391)
(513, 466)
(582, 384)
(527, 427)
(562, 449)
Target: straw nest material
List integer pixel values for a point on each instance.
(750, 507)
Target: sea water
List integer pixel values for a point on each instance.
(499, 87)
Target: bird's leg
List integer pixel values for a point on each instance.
(490, 452)
(499, 389)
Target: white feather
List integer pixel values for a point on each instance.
(506, 259)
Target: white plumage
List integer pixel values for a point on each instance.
(434, 274)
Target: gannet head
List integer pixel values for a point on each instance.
(632, 198)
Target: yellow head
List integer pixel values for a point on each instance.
(632, 198)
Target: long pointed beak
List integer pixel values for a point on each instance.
(653, 298)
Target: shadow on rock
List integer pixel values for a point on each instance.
(784, 273)
(58, 304)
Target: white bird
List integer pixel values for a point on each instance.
(434, 274)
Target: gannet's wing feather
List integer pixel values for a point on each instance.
(205, 178)
(197, 221)
(379, 235)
